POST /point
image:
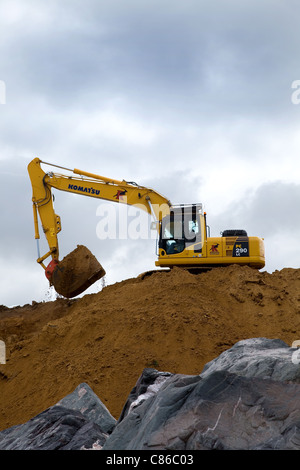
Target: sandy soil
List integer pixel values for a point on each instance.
(172, 321)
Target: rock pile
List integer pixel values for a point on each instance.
(248, 398)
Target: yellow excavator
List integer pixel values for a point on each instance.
(183, 234)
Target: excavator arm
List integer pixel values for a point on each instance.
(85, 184)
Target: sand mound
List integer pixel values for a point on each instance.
(172, 321)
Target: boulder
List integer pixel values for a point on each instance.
(83, 399)
(248, 398)
(258, 357)
(80, 421)
(56, 428)
(221, 411)
(147, 386)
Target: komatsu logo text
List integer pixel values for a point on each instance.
(74, 187)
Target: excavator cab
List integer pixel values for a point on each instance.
(181, 232)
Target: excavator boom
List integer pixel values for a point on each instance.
(80, 269)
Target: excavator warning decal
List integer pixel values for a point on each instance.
(214, 249)
(119, 195)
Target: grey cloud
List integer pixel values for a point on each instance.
(178, 186)
(270, 212)
(272, 209)
(192, 59)
(210, 81)
(16, 211)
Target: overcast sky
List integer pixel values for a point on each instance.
(198, 100)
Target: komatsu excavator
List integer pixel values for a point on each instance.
(183, 235)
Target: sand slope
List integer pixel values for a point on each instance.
(172, 321)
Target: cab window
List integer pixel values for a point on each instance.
(180, 230)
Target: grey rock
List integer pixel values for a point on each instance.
(247, 398)
(83, 399)
(146, 387)
(150, 415)
(221, 411)
(56, 428)
(258, 357)
(78, 421)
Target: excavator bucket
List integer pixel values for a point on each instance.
(76, 272)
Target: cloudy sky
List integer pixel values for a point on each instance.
(198, 100)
